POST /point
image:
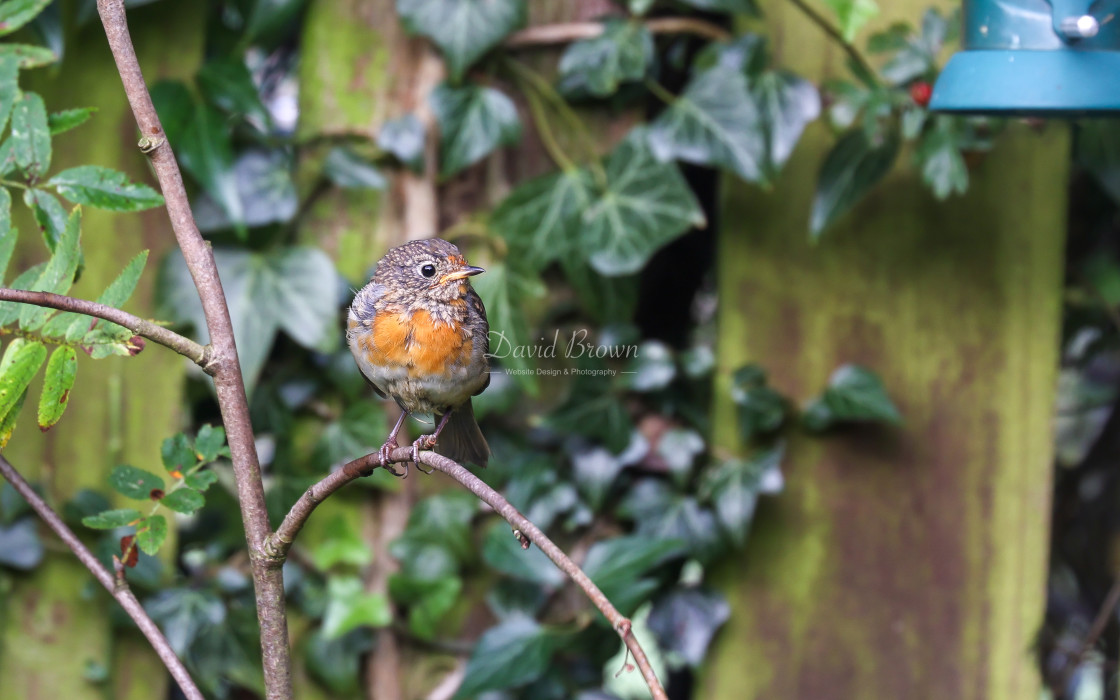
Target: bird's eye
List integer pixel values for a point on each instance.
(428, 270)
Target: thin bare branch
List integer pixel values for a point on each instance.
(523, 529)
(122, 593)
(145, 329)
(268, 581)
(567, 32)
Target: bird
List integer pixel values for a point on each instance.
(419, 334)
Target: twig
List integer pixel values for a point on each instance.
(145, 329)
(567, 32)
(122, 593)
(834, 33)
(1100, 622)
(294, 521)
(268, 581)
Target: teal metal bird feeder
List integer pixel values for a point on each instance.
(1046, 58)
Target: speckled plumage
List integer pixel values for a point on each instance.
(423, 340)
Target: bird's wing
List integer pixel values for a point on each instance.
(364, 310)
(478, 313)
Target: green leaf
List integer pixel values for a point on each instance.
(342, 545)
(104, 188)
(714, 122)
(200, 480)
(431, 602)
(16, 13)
(67, 119)
(360, 430)
(9, 87)
(29, 56)
(541, 218)
(111, 519)
(733, 488)
(592, 410)
(515, 652)
(183, 500)
(151, 533)
(227, 84)
(679, 448)
(134, 483)
(462, 29)
(651, 368)
(30, 136)
(210, 443)
(852, 15)
(404, 139)
(58, 275)
(685, 621)
(348, 170)
(21, 362)
(10, 310)
(739, 7)
(8, 422)
(615, 564)
(503, 552)
(350, 607)
(20, 546)
(177, 453)
(854, 394)
(473, 122)
(662, 514)
(49, 214)
(446, 517)
(504, 291)
(598, 66)
(939, 154)
(263, 183)
(272, 21)
(646, 204)
(761, 409)
(7, 236)
(57, 382)
(787, 104)
(75, 327)
(851, 169)
(206, 152)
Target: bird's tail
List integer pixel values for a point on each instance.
(462, 440)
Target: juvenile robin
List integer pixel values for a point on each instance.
(419, 334)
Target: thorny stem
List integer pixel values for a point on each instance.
(116, 588)
(268, 581)
(281, 541)
(145, 329)
(834, 34)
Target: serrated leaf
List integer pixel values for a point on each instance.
(49, 214)
(9, 88)
(598, 66)
(57, 382)
(151, 533)
(473, 122)
(110, 519)
(513, 653)
(404, 139)
(646, 204)
(541, 218)
(30, 136)
(8, 422)
(227, 84)
(854, 394)
(714, 122)
(21, 362)
(177, 453)
(348, 170)
(134, 483)
(10, 310)
(58, 275)
(209, 442)
(29, 56)
(16, 13)
(349, 607)
(851, 169)
(462, 29)
(104, 188)
(67, 119)
(7, 236)
(200, 480)
(852, 15)
(183, 500)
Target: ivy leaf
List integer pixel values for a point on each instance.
(205, 151)
(183, 500)
(58, 380)
(515, 652)
(427, 613)
(852, 15)
(446, 518)
(350, 607)
(617, 566)
(348, 170)
(734, 486)
(685, 620)
(404, 139)
(227, 84)
(263, 181)
(104, 188)
(853, 166)
(29, 56)
(473, 122)
(134, 483)
(342, 545)
(715, 122)
(503, 552)
(360, 430)
(541, 218)
(787, 104)
(30, 135)
(16, 13)
(67, 119)
(20, 546)
(210, 443)
(504, 291)
(462, 29)
(662, 514)
(111, 519)
(761, 409)
(854, 394)
(598, 66)
(151, 533)
(646, 204)
(19, 365)
(651, 368)
(939, 154)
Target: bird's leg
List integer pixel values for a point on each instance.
(385, 453)
(425, 442)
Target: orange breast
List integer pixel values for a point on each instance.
(425, 348)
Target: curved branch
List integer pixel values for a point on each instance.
(145, 329)
(567, 32)
(835, 34)
(122, 593)
(281, 541)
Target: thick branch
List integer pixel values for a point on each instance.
(145, 329)
(268, 582)
(564, 33)
(281, 541)
(123, 594)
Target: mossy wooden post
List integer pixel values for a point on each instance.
(905, 563)
(122, 407)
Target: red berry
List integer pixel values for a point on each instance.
(920, 92)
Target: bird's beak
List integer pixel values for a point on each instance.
(461, 273)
